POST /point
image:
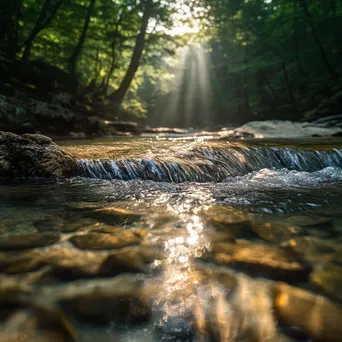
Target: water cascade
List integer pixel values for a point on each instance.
(210, 165)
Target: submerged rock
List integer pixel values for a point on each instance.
(33, 155)
(32, 325)
(329, 279)
(311, 221)
(124, 238)
(228, 220)
(62, 260)
(68, 262)
(123, 299)
(275, 263)
(317, 316)
(12, 287)
(274, 231)
(113, 215)
(79, 223)
(312, 249)
(29, 240)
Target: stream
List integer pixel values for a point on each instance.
(177, 238)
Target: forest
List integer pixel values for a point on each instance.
(170, 171)
(199, 63)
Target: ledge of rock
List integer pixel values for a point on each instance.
(33, 155)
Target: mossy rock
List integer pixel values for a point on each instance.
(33, 155)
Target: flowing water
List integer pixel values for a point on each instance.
(168, 238)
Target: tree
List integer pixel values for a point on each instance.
(47, 13)
(120, 93)
(78, 48)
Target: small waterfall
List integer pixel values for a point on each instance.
(210, 165)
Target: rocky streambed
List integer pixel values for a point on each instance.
(254, 257)
(213, 274)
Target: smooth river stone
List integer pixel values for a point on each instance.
(11, 288)
(275, 263)
(132, 259)
(115, 230)
(311, 221)
(313, 249)
(84, 206)
(228, 219)
(318, 317)
(68, 262)
(159, 218)
(104, 241)
(29, 240)
(32, 325)
(169, 232)
(82, 224)
(123, 299)
(275, 232)
(329, 279)
(113, 215)
(336, 258)
(61, 259)
(49, 225)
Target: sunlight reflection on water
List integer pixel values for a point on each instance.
(178, 275)
(227, 305)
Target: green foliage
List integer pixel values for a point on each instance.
(282, 57)
(50, 30)
(264, 58)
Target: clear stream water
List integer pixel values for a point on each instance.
(181, 238)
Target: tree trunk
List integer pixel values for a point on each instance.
(245, 85)
(290, 91)
(333, 6)
(275, 97)
(296, 47)
(16, 31)
(42, 22)
(75, 55)
(119, 95)
(9, 22)
(113, 48)
(324, 56)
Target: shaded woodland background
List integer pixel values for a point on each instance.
(119, 59)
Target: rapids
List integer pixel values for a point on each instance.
(210, 164)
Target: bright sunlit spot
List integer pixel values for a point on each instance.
(183, 20)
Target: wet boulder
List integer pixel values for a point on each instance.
(267, 261)
(124, 299)
(229, 220)
(275, 232)
(329, 279)
(36, 325)
(66, 262)
(33, 155)
(26, 241)
(314, 250)
(315, 315)
(105, 241)
(113, 215)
